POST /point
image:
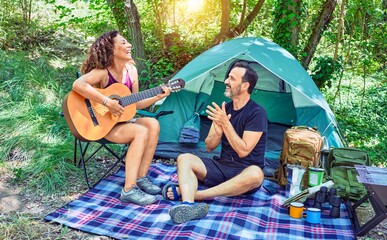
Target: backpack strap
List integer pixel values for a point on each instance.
(341, 180)
(351, 183)
(354, 184)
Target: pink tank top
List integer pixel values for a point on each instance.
(112, 80)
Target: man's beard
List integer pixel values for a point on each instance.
(232, 92)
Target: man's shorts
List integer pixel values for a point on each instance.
(220, 170)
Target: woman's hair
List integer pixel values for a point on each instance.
(100, 54)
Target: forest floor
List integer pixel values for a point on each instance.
(22, 213)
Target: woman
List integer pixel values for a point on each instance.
(109, 61)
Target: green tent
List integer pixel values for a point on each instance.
(284, 89)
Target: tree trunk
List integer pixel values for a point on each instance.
(159, 21)
(339, 29)
(26, 6)
(288, 15)
(347, 58)
(225, 31)
(321, 23)
(128, 21)
(295, 23)
(134, 28)
(244, 23)
(243, 13)
(225, 23)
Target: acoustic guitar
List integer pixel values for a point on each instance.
(90, 121)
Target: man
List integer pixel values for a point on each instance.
(241, 127)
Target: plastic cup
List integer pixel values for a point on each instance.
(315, 176)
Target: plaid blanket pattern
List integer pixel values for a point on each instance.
(256, 216)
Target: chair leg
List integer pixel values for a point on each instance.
(83, 159)
(83, 162)
(118, 160)
(78, 143)
(75, 151)
(110, 151)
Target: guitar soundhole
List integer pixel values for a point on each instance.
(116, 97)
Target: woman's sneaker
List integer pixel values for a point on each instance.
(136, 196)
(147, 186)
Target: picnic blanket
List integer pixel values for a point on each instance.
(256, 216)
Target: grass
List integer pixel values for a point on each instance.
(29, 226)
(31, 93)
(19, 226)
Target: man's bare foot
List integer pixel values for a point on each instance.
(170, 194)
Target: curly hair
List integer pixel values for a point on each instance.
(100, 54)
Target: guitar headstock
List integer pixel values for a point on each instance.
(176, 84)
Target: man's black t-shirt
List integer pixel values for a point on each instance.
(252, 117)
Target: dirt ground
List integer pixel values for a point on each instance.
(22, 213)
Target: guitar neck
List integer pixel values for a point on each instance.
(136, 97)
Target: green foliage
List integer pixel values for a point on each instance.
(83, 19)
(166, 61)
(117, 7)
(92, 18)
(325, 70)
(23, 37)
(287, 16)
(154, 73)
(362, 116)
